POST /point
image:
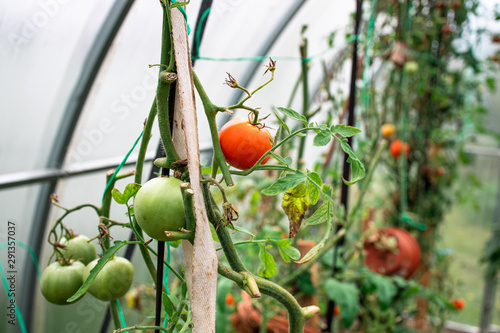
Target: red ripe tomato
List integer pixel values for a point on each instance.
(397, 146)
(243, 143)
(229, 299)
(459, 303)
(403, 262)
(336, 310)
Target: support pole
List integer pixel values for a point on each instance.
(346, 173)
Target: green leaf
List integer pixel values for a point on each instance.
(122, 198)
(322, 138)
(167, 304)
(287, 251)
(288, 160)
(385, 288)
(345, 294)
(279, 158)
(312, 252)
(314, 185)
(321, 215)
(282, 122)
(290, 180)
(345, 131)
(108, 255)
(267, 267)
(357, 168)
(295, 203)
(241, 229)
(491, 83)
(293, 114)
(305, 284)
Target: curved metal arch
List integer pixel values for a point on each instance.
(72, 113)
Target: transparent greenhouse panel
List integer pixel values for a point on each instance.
(42, 49)
(16, 214)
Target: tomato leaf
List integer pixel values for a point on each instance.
(385, 288)
(314, 185)
(167, 304)
(322, 138)
(357, 168)
(321, 215)
(293, 114)
(312, 252)
(345, 131)
(122, 198)
(345, 294)
(282, 122)
(287, 251)
(108, 255)
(288, 160)
(290, 180)
(267, 267)
(295, 203)
(279, 158)
(241, 229)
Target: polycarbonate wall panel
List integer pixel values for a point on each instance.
(123, 91)
(15, 224)
(42, 47)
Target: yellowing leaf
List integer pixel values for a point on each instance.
(295, 203)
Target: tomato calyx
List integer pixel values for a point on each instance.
(230, 215)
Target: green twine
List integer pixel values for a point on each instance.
(185, 16)
(198, 32)
(262, 58)
(120, 312)
(12, 300)
(165, 279)
(112, 179)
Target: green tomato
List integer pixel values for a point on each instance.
(411, 67)
(79, 248)
(113, 281)
(159, 207)
(59, 282)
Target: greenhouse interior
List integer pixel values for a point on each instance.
(250, 166)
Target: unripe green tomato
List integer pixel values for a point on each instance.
(79, 248)
(411, 67)
(113, 281)
(159, 207)
(59, 282)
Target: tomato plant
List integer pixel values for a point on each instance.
(397, 146)
(158, 207)
(61, 280)
(244, 143)
(113, 281)
(79, 248)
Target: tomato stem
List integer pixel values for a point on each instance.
(211, 111)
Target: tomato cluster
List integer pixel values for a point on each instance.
(62, 279)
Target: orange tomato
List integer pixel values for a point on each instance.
(243, 143)
(458, 303)
(397, 146)
(388, 130)
(229, 299)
